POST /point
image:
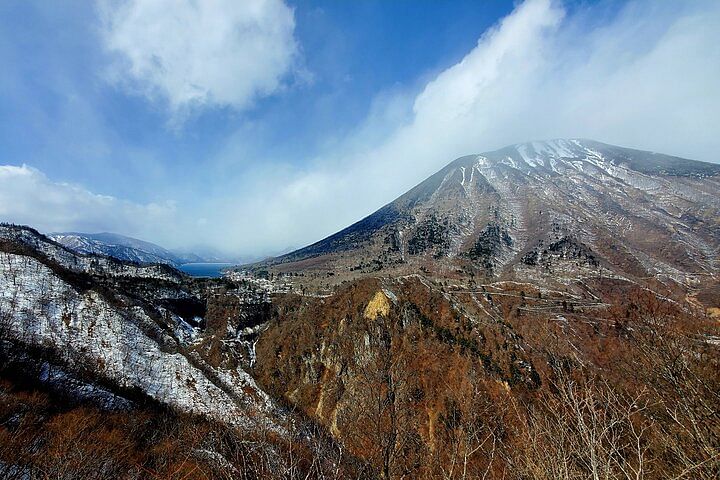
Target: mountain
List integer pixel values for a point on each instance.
(134, 250)
(118, 246)
(501, 318)
(547, 310)
(132, 320)
(553, 211)
(112, 357)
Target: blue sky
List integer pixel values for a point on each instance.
(66, 120)
(260, 125)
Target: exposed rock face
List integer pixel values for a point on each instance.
(555, 211)
(378, 306)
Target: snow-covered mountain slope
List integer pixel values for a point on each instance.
(92, 263)
(118, 246)
(134, 250)
(120, 324)
(550, 210)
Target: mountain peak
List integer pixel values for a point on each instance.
(536, 209)
(558, 155)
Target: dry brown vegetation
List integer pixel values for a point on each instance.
(408, 378)
(44, 437)
(503, 384)
(495, 381)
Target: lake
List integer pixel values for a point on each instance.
(212, 270)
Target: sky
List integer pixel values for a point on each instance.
(259, 126)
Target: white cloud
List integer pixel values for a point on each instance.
(28, 197)
(200, 53)
(646, 77)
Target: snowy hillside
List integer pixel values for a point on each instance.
(120, 322)
(118, 246)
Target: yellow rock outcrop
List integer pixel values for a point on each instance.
(378, 306)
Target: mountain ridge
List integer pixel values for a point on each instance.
(622, 211)
(666, 164)
(134, 326)
(133, 249)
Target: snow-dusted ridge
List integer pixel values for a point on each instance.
(90, 263)
(125, 343)
(117, 246)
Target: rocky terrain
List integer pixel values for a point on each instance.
(133, 324)
(105, 334)
(426, 380)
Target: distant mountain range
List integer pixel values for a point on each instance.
(132, 249)
(552, 211)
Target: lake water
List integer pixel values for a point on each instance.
(212, 270)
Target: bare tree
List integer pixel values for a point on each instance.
(471, 432)
(379, 413)
(673, 355)
(584, 430)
